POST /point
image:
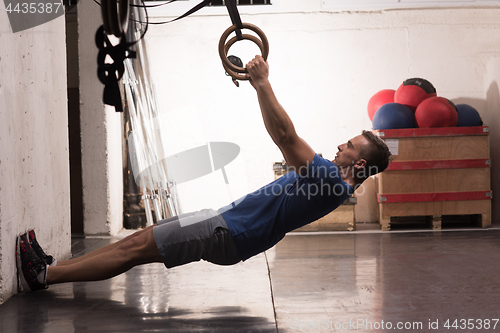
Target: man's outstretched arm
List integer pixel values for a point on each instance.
(297, 153)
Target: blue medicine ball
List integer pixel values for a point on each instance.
(468, 116)
(392, 116)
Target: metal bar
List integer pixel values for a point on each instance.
(157, 206)
(147, 206)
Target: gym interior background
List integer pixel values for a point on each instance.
(325, 65)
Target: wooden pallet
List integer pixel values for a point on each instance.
(436, 172)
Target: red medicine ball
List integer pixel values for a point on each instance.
(382, 97)
(436, 112)
(413, 91)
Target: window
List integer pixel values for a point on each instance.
(241, 2)
(368, 4)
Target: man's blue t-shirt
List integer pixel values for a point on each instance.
(261, 219)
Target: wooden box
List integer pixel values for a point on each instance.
(341, 219)
(436, 172)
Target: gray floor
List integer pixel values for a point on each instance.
(366, 281)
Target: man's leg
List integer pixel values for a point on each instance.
(102, 249)
(116, 244)
(138, 250)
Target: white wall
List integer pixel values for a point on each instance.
(101, 134)
(492, 112)
(324, 68)
(34, 161)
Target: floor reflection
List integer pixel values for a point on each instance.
(198, 297)
(346, 282)
(385, 282)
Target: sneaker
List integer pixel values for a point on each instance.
(29, 266)
(38, 249)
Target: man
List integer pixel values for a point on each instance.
(236, 232)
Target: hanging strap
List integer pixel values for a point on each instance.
(231, 8)
(192, 10)
(235, 17)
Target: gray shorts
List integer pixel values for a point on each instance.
(195, 236)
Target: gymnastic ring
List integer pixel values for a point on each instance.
(226, 50)
(233, 74)
(223, 49)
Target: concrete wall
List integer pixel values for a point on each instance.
(324, 67)
(492, 112)
(101, 135)
(34, 168)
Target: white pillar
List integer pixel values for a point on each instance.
(101, 135)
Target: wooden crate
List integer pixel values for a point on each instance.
(436, 172)
(341, 219)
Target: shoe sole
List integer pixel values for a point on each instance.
(24, 283)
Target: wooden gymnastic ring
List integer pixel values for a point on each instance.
(233, 74)
(224, 48)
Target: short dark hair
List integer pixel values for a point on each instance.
(376, 154)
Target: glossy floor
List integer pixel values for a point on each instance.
(339, 282)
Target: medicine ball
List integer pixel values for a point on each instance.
(382, 97)
(413, 91)
(468, 116)
(392, 116)
(436, 112)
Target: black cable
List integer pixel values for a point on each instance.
(136, 21)
(144, 5)
(147, 22)
(191, 11)
(152, 6)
